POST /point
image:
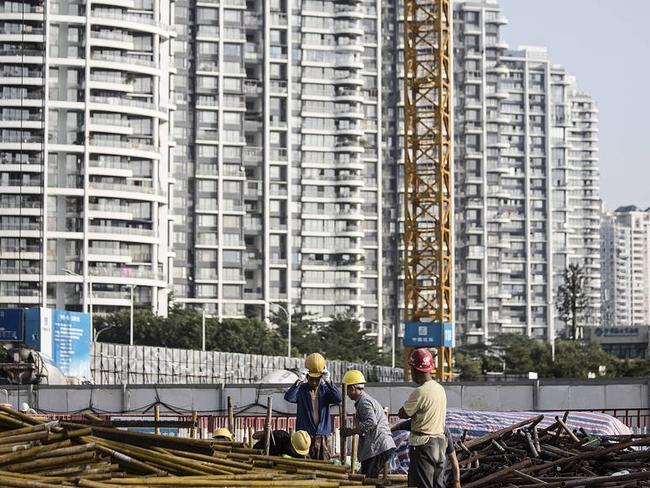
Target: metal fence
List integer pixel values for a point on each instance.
(114, 364)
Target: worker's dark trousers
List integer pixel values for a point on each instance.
(427, 464)
(374, 466)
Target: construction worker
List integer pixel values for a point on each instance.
(427, 409)
(295, 445)
(314, 393)
(376, 443)
(222, 434)
(452, 467)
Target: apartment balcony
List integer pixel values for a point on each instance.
(116, 212)
(128, 105)
(278, 19)
(252, 20)
(350, 130)
(278, 87)
(252, 87)
(354, 11)
(109, 255)
(124, 61)
(132, 21)
(349, 60)
(347, 78)
(349, 27)
(107, 229)
(252, 225)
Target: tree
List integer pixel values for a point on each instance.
(182, 329)
(572, 301)
(470, 368)
(249, 336)
(342, 338)
(305, 337)
(523, 354)
(577, 360)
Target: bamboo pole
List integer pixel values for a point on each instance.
(156, 417)
(355, 447)
(342, 424)
(40, 464)
(267, 425)
(231, 417)
(129, 462)
(32, 452)
(194, 422)
(18, 483)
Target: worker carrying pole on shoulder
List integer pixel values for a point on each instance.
(427, 409)
(314, 393)
(376, 444)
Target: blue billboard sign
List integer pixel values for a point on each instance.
(11, 324)
(71, 342)
(429, 334)
(63, 337)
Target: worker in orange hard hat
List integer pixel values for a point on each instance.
(314, 393)
(427, 409)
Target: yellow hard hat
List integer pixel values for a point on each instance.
(353, 377)
(222, 432)
(301, 442)
(315, 363)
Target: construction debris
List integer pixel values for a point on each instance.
(36, 453)
(524, 455)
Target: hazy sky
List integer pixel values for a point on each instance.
(606, 45)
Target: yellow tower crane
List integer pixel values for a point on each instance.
(428, 199)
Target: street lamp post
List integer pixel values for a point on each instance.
(287, 313)
(90, 297)
(392, 346)
(203, 329)
(131, 288)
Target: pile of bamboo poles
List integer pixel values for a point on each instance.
(524, 455)
(36, 453)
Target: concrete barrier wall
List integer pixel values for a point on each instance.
(525, 395)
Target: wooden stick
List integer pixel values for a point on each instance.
(194, 422)
(355, 447)
(267, 425)
(231, 417)
(156, 417)
(342, 423)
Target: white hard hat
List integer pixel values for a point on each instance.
(24, 407)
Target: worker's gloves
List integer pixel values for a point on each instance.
(346, 432)
(303, 375)
(326, 375)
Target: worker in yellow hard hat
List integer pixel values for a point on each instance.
(295, 445)
(222, 434)
(314, 393)
(376, 444)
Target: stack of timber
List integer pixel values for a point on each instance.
(524, 455)
(36, 453)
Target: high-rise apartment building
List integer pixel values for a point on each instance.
(84, 153)
(526, 180)
(527, 201)
(277, 160)
(249, 153)
(625, 253)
